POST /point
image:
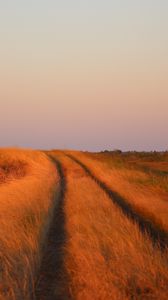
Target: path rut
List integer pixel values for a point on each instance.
(158, 236)
(52, 283)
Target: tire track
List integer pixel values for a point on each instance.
(158, 236)
(52, 283)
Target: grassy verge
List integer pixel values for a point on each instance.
(26, 204)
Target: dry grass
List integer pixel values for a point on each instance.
(106, 255)
(149, 170)
(148, 201)
(11, 168)
(103, 254)
(26, 201)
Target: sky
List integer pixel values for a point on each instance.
(84, 74)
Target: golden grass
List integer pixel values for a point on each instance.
(26, 203)
(147, 202)
(10, 167)
(150, 170)
(106, 255)
(160, 166)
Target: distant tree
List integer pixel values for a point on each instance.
(117, 151)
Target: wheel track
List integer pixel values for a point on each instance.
(52, 283)
(158, 237)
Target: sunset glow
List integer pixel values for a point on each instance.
(84, 74)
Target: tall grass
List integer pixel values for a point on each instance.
(11, 168)
(106, 255)
(26, 202)
(151, 169)
(146, 201)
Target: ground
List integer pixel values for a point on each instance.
(80, 225)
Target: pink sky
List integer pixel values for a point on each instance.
(90, 75)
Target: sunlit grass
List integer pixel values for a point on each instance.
(26, 202)
(106, 255)
(149, 199)
(146, 169)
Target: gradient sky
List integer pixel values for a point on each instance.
(84, 74)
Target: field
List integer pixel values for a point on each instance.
(85, 226)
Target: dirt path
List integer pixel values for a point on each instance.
(52, 281)
(157, 236)
(81, 256)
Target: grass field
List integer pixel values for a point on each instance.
(79, 225)
(143, 190)
(27, 188)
